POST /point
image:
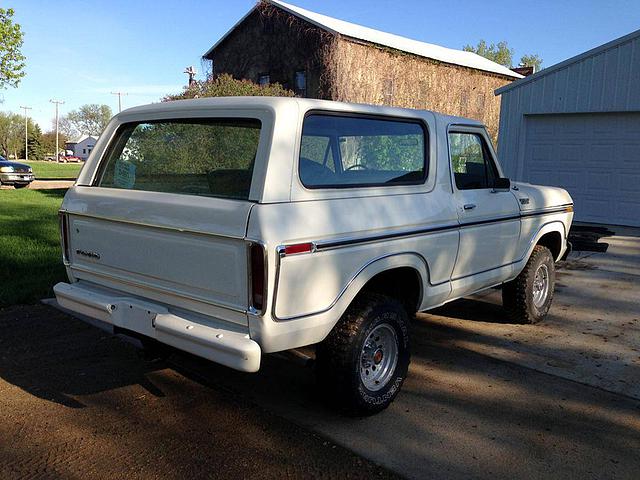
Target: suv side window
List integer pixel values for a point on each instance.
(473, 167)
(340, 151)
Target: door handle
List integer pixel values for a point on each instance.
(469, 206)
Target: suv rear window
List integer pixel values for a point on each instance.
(209, 157)
(347, 151)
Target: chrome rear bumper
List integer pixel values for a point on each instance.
(221, 345)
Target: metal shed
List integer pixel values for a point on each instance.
(577, 125)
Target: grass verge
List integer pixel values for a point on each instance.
(45, 170)
(30, 257)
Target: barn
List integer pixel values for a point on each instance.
(577, 125)
(318, 56)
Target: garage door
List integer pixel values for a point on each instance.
(596, 157)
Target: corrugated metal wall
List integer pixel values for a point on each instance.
(606, 79)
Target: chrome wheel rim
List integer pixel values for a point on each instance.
(541, 286)
(379, 357)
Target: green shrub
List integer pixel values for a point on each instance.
(225, 85)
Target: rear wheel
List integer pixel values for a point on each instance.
(20, 185)
(528, 297)
(364, 360)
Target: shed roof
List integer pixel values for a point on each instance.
(570, 61)
(82, 138)
(422, 49)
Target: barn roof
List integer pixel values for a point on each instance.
(422, 49)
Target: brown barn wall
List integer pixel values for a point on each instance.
(368, 74)
(274, 42)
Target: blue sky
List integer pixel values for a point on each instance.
(79, 51)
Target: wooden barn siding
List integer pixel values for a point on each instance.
(608, 81)
(361, 73)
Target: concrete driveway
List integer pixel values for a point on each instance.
(592, 333)
(484, 399)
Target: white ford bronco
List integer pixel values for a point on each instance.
(234, 227)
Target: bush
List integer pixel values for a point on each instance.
(225, 85)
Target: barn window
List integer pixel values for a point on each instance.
(301, 83)
(264, 79)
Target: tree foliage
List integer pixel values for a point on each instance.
(499, 53)
(12, 62)
(502, 54)
(11, 133)
(226, 86)
(532, 60)
(49, 142)
(34, 142)
(89, 119)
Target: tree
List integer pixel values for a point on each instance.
(65, 128)
(90, 119)
(532, 60)
(49, 142)
(11, 59)
(11, 133)
(34, 142)
(226, 86)
(500, 53)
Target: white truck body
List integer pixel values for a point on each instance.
(176, 267)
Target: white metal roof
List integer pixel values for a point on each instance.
(422, 49)
(570, 61)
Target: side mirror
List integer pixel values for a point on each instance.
(502, 184)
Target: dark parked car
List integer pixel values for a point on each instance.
(13, 173)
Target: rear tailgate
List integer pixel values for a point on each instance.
(183, 251)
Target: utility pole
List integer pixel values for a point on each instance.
(26, 142)
(192, 74)
(57, 102)
(119, 94)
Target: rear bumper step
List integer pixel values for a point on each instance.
(227, 347)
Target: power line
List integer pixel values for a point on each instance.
(57, 102)
(26, 128)
(119, 94)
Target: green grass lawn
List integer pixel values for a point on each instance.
(30, 257)
(44, 170)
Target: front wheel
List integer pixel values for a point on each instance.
(20, 185)
(363, 362)
(527, 298)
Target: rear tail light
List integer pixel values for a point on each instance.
(64, 235)
(258, 273)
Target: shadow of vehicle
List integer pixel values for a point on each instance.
(585, 238)
(55, 357)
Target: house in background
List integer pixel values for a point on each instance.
(577, 125)
(82, 146)
(322, 57)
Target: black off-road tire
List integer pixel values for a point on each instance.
(339, 356)
(518, 294)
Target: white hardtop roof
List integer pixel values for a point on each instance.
(422, 49)
(272, 103)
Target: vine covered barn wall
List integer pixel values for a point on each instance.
(275, 43)
(366, 73)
